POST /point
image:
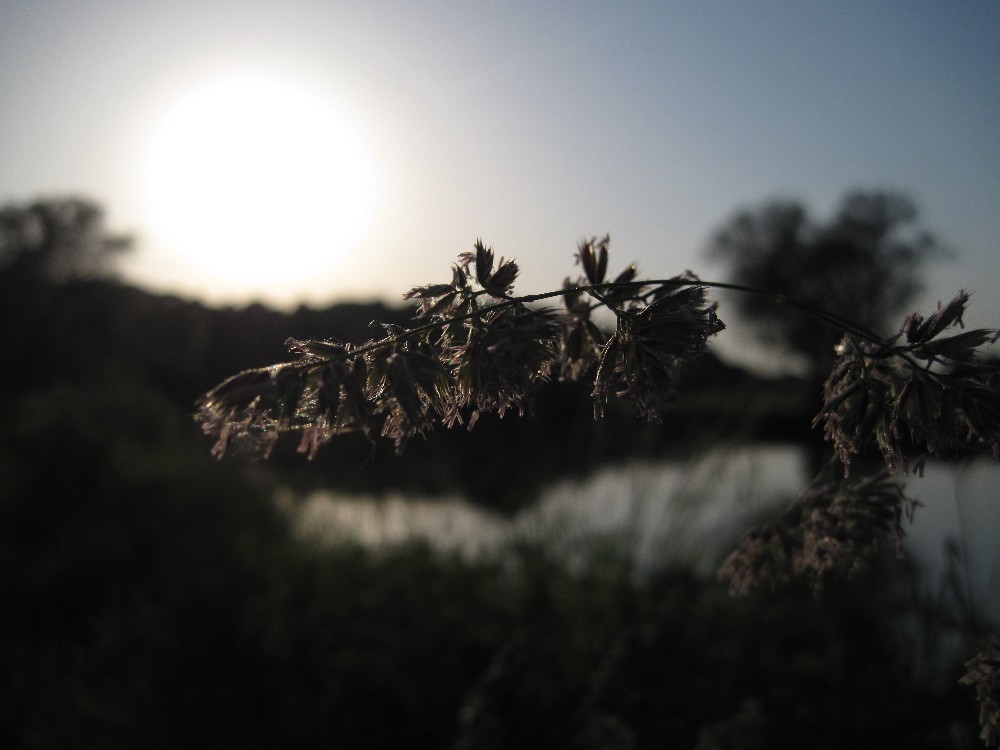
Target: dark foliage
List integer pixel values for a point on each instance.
(58, 240)
(863, 266)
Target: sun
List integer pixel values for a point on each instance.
(257, 180)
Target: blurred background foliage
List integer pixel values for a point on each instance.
(154, 597)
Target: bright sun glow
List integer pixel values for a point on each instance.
(257, 181)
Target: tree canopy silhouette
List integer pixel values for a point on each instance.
(58, 239)
(864, 265)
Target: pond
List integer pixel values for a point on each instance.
(690, 512)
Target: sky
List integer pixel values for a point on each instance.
(419, 127)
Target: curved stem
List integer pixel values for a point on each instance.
(780, 299)
(596, 289)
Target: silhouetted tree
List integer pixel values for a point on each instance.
(863, 266)
(57, 240)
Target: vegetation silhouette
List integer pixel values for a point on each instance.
(156, 597)
(58, 239)
(864, 266)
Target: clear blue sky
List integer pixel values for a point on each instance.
(533, 124)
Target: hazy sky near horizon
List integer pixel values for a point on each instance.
(529, 124)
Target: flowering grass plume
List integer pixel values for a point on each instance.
(829, 533)
(643, 360)
(919, 391)
(473, 348)
(983, 673)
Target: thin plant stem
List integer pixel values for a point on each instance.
(596, 289)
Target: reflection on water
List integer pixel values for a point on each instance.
(667, 511)
(661, 511)
(960, 504)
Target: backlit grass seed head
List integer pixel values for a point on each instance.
(234, 394)
(592, 254)
(500, 284)
(507, 354)
(643, 360)
(484, 262)
(331, 378)
(431, 290)
(582, 339)
(762, 561)
(983, 673)
(845, 525)
(678, 322)
(497, 284)
(435, 299)
(582, 343)
(919, 331)
(934, 393)
(320, 350)
(406, 388)
(648, 377)
(831, 532)
(858, 399)
(332, 397)
(322, 393)
(354, 410)
(258, 401)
